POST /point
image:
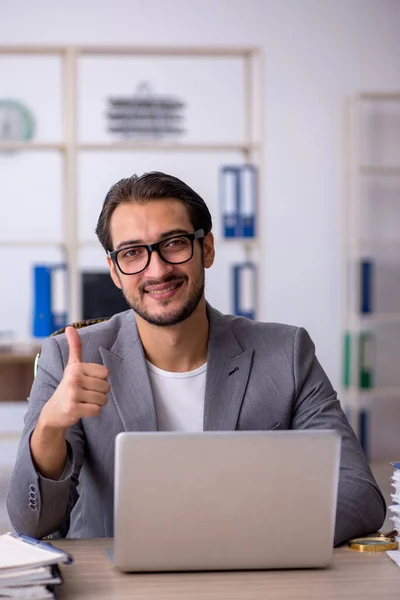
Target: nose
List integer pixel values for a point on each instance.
(157, 267)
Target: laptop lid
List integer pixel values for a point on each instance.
(225, 500)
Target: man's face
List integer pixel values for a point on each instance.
(162, 294)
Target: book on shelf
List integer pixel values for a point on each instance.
(29, 568)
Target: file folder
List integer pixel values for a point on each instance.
(239, 200)
(49, 299)
(230, 201)
(366, 359)
(42, 317)
(346, 359)
(59, 298)
(245, 290)
(366, 286)
(248, 200)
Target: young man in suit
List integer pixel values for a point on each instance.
(173, 363)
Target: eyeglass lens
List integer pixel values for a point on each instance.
(174, 250)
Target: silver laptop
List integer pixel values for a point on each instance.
(225, 500)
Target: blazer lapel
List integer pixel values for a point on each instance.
(228, 370)
(129, 381)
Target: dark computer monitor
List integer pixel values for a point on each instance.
(100, 297)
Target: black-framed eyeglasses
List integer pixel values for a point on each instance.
(174, 251)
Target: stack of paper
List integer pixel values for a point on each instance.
(395, 507)
(28, 567)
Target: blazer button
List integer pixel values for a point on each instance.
(32, 488)
(33, 506)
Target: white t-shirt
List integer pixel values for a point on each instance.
(179, 398)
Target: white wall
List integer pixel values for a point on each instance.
(316, 52)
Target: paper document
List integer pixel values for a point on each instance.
(29, 568)
(395, 556)
(18, 552)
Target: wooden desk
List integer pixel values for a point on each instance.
(352, 576)
(16, 374)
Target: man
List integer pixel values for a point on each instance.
(171, 363)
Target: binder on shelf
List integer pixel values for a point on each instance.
(239, 200)
(59, 296)
(366, 381)
(42, 319)
(248, 199)
(347, 359)
(366, 280)
(366, 360)
(50, 299)
(244, 290)
(230, 201)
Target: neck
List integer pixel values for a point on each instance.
(182, 347)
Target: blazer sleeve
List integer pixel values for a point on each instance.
(38, 506)
(361, 508)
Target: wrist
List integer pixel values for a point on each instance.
(48, 422)
(45, 429)
(48, 449)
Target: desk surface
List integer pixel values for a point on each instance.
(352, 575)
(16, 372)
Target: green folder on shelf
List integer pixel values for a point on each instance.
(366, 342)
(366, 360)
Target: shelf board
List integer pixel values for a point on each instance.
(387, 96)
(380, 318)
(31, 49)
(167, 51)
(395, 244)
(115, 50)
(30, 243)
(132, 146)
(391, 170)
(242, 241)
(13, 146)
(170, 145)
(378, 392)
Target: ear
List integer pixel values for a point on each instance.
(208, 250)
(113, 273)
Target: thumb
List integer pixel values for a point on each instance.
(74, 344)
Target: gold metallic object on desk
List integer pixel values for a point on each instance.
(380, 542)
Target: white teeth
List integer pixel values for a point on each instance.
(163, 291)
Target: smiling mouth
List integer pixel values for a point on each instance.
(164, 290)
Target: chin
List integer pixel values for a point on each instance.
(166, 316)
(164, 320)
(169, 313)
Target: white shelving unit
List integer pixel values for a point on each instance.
(71, 144)
(370, 196)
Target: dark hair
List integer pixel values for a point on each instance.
(151, 186)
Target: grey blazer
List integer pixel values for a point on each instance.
(260, 376)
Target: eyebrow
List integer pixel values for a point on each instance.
(162, 236)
